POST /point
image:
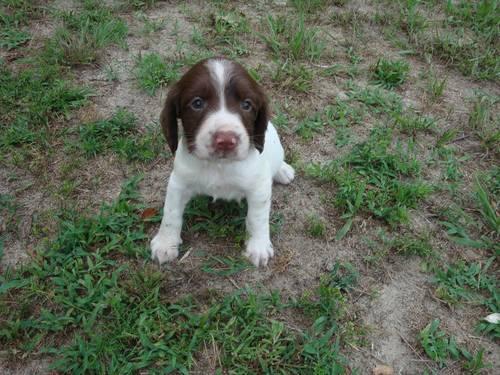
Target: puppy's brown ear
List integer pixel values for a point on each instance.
(168, 119)
(260, 126)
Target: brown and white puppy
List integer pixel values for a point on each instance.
(228, 149)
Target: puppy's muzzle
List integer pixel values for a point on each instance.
(225, 141)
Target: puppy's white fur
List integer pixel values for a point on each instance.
(245, 174)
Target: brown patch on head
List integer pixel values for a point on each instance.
(243, 92)
(195, 83)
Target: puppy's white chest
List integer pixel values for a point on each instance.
(218, 182)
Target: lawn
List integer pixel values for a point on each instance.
(386, 243)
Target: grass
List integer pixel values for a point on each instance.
(390, 73)
(436, 86)
(463, 39)
(292, 76)
(117, 319)
(12, 34)
(221, 219)
(316, 226)
(374, 179)
(30, 100)
(340, 115)
(119, 134)
(88, 299)
(411, 123)
(153, 72)
(84, 34)
(440, 347)
(483, 121)
(461, 227)
(376, 99)
(291, 38)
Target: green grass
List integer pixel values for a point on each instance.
(82, 35)
(471, 283)
(293, 76)
(435, 86)
(291, 38)
(374, 178)
(12, 34)
(137, 4)
(340, 115)
(484, 120)
(116, 318)
(153, 72)
(224, 266)
(411, 123)
(221, 219)
(441, 347)
(465, 38)
(390, 73)
(311, 6)
(481, 231)
(376, 99)
(30, 100)
(120, 135)
(316, 226)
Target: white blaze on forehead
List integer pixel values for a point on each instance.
(219, 72)
(221, 119)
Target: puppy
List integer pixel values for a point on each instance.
(228, 149)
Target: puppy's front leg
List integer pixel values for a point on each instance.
(164, 246)
(259, 248)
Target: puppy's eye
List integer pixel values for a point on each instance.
(246, 105)
(197, 104)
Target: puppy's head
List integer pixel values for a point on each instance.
(223, 111)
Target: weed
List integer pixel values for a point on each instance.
(483, 120)
(119, 134)
(294, 76)
(227, 29)
(404, 244)
(376, 98)
(152, 72)
(437, 345)
(310, 6)
(459, 226)
(291, 39)
(224, 266)
(29, 100)
(151, 25)
(471, 283)
(311, 125)
(219, 219)
(339, 115)
(8, 209)
(390, 74)
(115, 318)
(83, 35)
(411, 123)
(316, 226)
(11, 33)
(138, 4)
(435, 86)
(375, 180)
(463, 39)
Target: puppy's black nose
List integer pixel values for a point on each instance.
(225, 140)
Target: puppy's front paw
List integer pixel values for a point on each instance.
(259, 251)
(285, 174)
(164, 248)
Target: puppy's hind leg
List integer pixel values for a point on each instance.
(285, 174)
